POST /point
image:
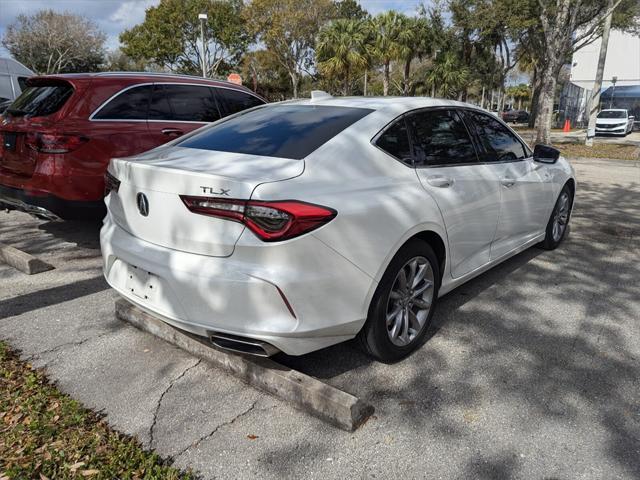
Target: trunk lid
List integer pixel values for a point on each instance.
(163, 174)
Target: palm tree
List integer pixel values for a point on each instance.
(414, 40)
(447, 76)
(388, 26)
(342, 49)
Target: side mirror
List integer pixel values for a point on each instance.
(545, 154)
(631, 117)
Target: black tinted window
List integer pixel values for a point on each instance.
(22, 82)
(287, 131)
(498, 141)
(191, 103)
(131, 104)
(395, 141)
(233, 101)
(440, 138)
(159, 108)
(41, 100)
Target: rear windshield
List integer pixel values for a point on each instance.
(612, 114)
(286, 131)
(41, 100)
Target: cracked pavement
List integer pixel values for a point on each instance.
(532, 370)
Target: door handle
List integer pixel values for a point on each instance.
(172, 132)
(440, 181)
(507, 182)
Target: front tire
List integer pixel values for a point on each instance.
(558, 224)
(403, 304)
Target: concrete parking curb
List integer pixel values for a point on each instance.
(22, 261)
(301, 391)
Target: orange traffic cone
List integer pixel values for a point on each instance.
(567, 126)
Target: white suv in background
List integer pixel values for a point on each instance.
(614, 121)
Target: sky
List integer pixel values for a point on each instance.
(114, 16)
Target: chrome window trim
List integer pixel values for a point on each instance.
(146, 84)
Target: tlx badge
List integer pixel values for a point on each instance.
(211, 191)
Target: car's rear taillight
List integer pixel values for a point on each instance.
(54, 142)
(270, 221)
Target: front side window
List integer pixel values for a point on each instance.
(498, 142)
(233, 101)
(285, 131)
(131, 104)
(440, 138)
(395, 141)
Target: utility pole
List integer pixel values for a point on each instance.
(203, 18)
(597, 86)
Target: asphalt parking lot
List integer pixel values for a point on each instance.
(532, 370)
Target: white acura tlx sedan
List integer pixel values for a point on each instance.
(294, 226)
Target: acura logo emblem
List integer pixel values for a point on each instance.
(143, 204)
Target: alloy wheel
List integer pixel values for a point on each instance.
(560, 217)
(410, 301)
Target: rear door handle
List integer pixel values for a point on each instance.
(507, 182)
(440, 181)
(172, 132)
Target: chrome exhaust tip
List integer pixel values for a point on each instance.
(244, 345)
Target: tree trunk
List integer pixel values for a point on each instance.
(545, 105)
(535, 95)
(405, 77)
(294, 83)
(385, 79)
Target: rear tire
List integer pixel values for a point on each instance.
(403, 304)
(558, 224)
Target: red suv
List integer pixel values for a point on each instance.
(58, 136)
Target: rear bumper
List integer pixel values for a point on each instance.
(49, 206)
(295, 307)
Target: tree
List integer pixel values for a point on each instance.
(349, 9)
(170, 36)
(448, 76)
(387, 28)
(288, 29)
(265, 75)
(414, 40)
(49, 42)
(342, 49)
(520, 93)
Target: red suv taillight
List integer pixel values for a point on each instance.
(54, 142)
(270, 221)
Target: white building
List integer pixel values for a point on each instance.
(623, 62)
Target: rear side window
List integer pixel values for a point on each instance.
(286, 131)
(233, 101)
(498, 142)
(41, 100)
(440, 138)
(132, 104)
(395, 141)
(186, 103)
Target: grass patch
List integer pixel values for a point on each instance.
(45, 434)
(600, 150)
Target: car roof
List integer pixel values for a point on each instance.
(382, 104)
(135, 77)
